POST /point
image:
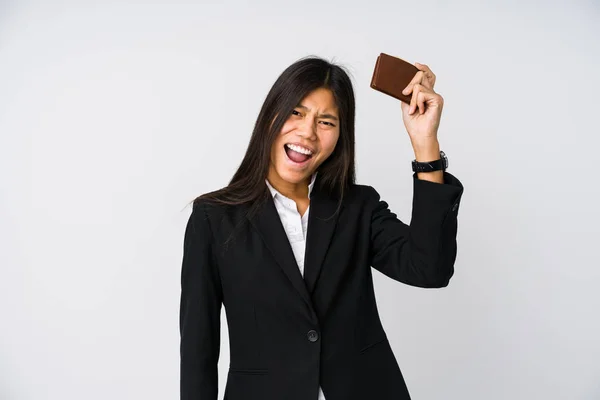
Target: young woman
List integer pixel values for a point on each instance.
(287, 247)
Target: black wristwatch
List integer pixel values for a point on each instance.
(430, 166)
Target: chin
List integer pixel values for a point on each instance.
(294, 176)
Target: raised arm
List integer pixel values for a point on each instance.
(423, 253)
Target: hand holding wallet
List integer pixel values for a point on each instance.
(391, 75)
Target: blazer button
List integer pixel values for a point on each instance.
(455, 207)
(313, 336)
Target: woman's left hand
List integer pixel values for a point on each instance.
(422, 117)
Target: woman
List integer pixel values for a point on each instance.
(287, 248)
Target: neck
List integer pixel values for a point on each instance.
(294, 191)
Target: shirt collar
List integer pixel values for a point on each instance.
(275, 192)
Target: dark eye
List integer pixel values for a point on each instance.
(328, 123)
(294, 111)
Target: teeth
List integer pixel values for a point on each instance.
(299, 149)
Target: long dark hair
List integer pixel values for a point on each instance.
(335, 174)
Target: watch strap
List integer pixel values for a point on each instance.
(437, 165)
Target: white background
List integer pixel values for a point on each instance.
(115, 115)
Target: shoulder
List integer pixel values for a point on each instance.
(362, 192)
(221, 211)
(361, 196)
(211, 208)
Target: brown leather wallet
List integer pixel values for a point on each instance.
(392, 75)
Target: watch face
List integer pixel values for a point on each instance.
(444, 158)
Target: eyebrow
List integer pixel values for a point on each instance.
(328, 116)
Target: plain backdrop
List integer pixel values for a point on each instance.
(115, 115)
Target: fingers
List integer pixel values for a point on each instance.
(424, 76)
(413, 99)
(422, 96)
(415, 80)
(421, 87)
(417, 100)
(429, 76)
(421, 102)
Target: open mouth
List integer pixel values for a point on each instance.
(297, 153)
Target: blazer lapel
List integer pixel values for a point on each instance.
(268, 224)
(322, 219)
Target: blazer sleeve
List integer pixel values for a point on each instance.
(200, 311)
(421, 254)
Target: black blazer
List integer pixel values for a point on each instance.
(289, 334)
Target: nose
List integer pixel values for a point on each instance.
(307, 129)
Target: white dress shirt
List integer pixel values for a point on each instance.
(295, 226)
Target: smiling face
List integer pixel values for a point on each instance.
(305, 141)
